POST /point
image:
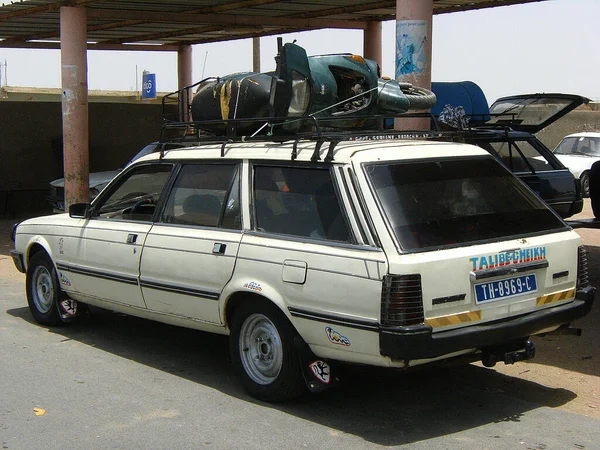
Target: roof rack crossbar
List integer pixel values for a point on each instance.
(329, 156)
(316, 156)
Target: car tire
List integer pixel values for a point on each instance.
(594, 185)
(43, 290)
(263, 352)
(419, 98)
(584, 182)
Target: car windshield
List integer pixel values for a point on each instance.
(452, 202)
(579, 145)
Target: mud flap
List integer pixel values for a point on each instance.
(68, 309)
(316, 372)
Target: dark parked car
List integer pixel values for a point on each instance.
(507, 130)
(99, 180)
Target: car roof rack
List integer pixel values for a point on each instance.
(273, 129)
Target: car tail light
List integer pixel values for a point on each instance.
(401, 300)
(582, 268)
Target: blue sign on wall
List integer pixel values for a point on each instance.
(148, 85)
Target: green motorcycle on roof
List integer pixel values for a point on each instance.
(341, 91)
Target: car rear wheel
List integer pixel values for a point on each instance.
(263, 353)
(584, 181)
(43, 290)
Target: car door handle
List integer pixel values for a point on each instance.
(219, 249)
(131, 238)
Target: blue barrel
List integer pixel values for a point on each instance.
(462, 93)
(148, 85)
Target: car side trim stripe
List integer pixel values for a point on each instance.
(96, 274)
(179, 290)
(351, 323)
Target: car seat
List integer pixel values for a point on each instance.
(201, 210)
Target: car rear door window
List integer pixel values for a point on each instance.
(298, 201)
(521, 156)
(205, 195)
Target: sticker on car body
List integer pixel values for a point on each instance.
(253, 286)
(63, 279)
(508, 258)
(336, 338)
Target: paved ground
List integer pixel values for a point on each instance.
(114, 381)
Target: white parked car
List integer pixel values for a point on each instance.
(310, 252)
(578, 152)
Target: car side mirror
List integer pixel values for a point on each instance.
(80, 210)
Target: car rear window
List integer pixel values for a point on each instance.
(453, 202)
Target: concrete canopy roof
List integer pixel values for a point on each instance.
(166, 24)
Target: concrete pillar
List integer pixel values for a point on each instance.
(73, 51)
(372, 42)
(184, 66)
(184, 78)
(256, 54)
(414, 19)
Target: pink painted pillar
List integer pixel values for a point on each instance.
(255, 54)
(184, 78)
(184, 66)
(73, 51)
(414, 19)
(372, 42)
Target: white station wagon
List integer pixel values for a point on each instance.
(306, 253)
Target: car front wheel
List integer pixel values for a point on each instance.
(43, 290)
(263, 353)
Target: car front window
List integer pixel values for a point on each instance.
(136, 195)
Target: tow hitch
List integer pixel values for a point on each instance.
(509, 355)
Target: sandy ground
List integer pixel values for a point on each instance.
(563, 366)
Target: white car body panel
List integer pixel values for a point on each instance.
(331, 292)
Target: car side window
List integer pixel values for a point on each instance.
(566, 146)
(587, 147)
(205, 195)
(521, 156)
(300, 202)
(137, 194)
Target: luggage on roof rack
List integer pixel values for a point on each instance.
(342, 91)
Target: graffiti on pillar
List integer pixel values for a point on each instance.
(411, 38)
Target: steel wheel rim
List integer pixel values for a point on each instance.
(261, 350)
(42, 289)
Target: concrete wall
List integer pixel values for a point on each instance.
(586, 119)
(31, 146)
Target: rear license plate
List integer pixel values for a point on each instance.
(506, 288)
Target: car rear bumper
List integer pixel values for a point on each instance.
(419, 341)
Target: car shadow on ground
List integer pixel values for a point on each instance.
(381, 406)
(576, 353)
